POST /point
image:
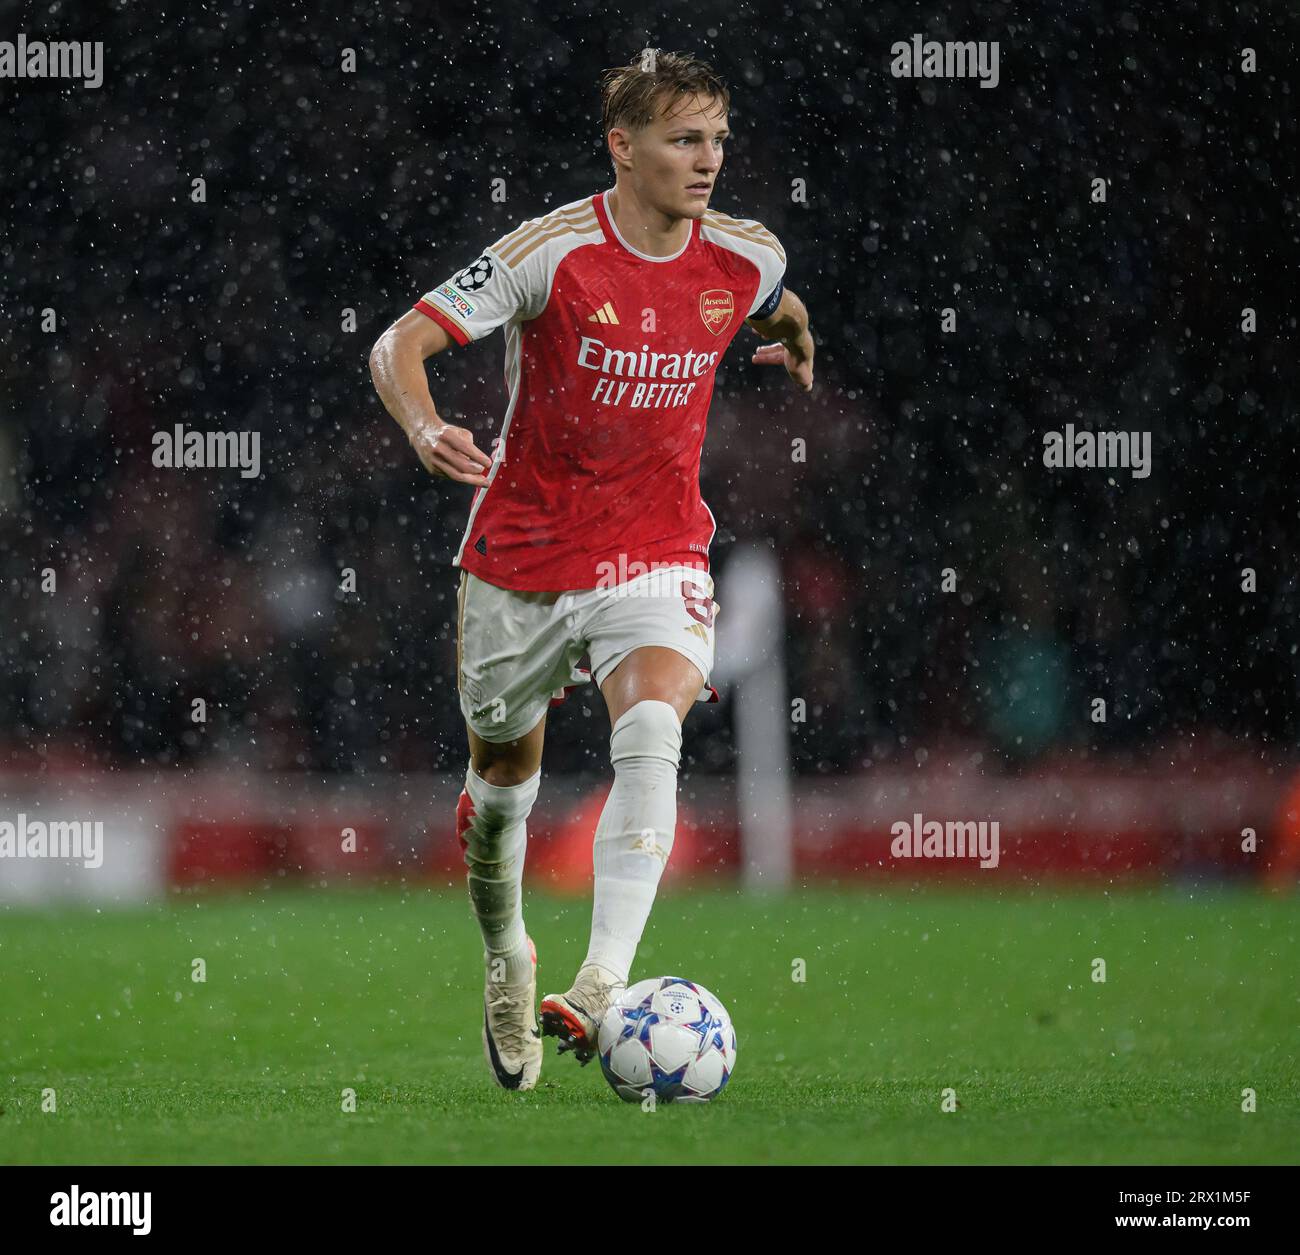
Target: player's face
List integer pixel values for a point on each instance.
(678, 157)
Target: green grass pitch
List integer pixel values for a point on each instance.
(907, 991)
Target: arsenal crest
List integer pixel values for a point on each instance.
(717, 308)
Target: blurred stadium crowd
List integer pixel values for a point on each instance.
(328, 192)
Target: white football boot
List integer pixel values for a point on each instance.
(575, 1017)
(511, 1042)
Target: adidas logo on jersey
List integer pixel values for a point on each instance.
(604, 314)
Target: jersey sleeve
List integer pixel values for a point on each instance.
(771, 280)
(487, 294)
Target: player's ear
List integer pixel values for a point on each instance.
(617, 143)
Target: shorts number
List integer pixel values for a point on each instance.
(698, 603)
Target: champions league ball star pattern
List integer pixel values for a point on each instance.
(670, 1036)
(475, 275)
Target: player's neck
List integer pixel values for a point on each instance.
(646, 229)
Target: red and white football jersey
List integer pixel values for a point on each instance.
(610, 361)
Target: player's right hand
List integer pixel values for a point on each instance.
(450, 453)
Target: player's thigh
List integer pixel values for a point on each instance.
(652, 673)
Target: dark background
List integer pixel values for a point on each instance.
(328, 191)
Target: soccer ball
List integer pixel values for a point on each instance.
(670, 1037)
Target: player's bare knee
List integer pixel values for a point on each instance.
(649, 729)
(503, 774)
(504, 765)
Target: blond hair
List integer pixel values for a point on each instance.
(631, 95)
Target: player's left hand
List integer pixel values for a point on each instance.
(799, 366)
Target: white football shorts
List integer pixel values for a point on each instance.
(517, 651)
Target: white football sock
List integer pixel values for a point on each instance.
(496, 841)
(635, 834)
